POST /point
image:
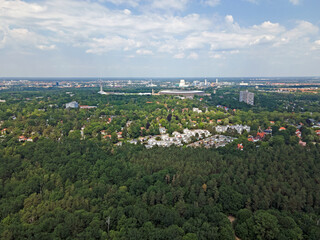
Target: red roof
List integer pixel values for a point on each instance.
(303, 144)
(282, 128)
(261, 134)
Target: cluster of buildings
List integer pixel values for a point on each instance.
(214, 141)
(25, 139)
(177, 138)
(239, 128)
(260, 136)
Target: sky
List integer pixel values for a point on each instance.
(159, 38)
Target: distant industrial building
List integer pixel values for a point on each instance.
(247, 97)
(87, 107)
(73, 104)
(182, 93)
(183, 83)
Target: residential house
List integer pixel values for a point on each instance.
(197, 110)
(4, 131)
(103, 132)
(261, 135)
(268, 131)
(303, 144)
(162, 130)
(240, 146)
(22, 139)
(298, 133)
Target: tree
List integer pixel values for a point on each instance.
(190, 236)
(114, 137)
(231, 200)
(265, 226)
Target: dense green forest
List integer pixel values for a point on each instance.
(64, 186)
(68, 190)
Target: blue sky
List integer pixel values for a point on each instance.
(159, 38)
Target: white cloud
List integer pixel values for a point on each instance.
(216, 56)
(133, 3)
(252, 1)
(46, 47)
(316, 45)
(193, 56)
(144, 52)
(179, 55)
(22, 38)
(295, 2)
(269, 27)
(102, 45)
(229, 19)
(170, 4)
(127, 12)
(96, 29)
(211, 3)
(302, 30)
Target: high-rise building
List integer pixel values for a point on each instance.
(247, 97)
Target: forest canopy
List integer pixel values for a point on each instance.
(66, 180)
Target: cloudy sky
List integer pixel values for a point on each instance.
(159, 38)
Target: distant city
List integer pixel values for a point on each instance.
(281, 84)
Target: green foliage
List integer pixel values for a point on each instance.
(68, 186)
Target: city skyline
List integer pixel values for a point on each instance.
(169, 38)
